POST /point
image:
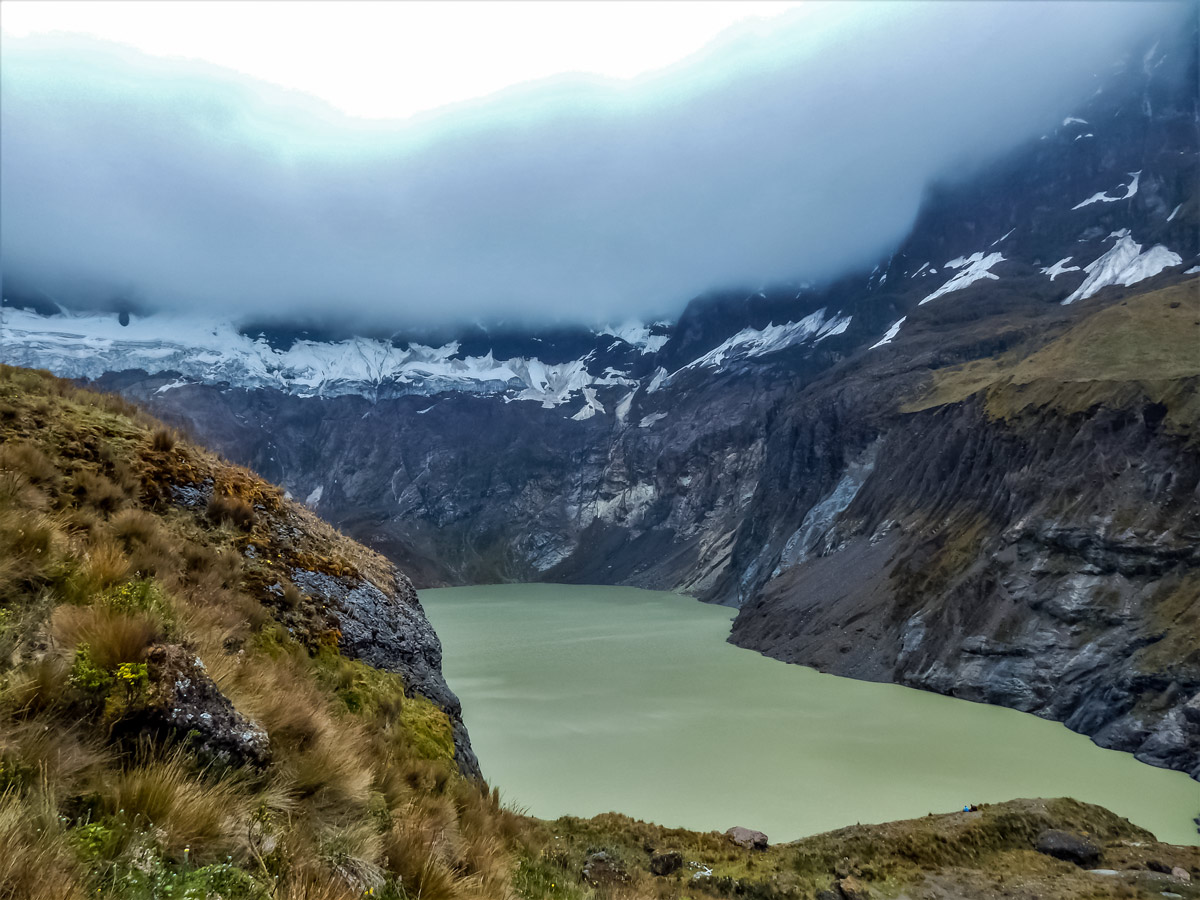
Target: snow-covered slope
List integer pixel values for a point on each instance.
(1124, 264)
(751, 342)
(215, 352)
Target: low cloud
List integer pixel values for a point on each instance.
(794, 151)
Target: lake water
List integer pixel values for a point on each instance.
(582, 700)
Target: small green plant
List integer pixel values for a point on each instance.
(86, 676)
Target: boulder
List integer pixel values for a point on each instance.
(1182, 874)
(183, 697)
(602, 868)
(667, 863)
(747, 838)
(1068, 846)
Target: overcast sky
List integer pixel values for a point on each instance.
(396, 164)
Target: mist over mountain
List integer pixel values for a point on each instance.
(798, 151)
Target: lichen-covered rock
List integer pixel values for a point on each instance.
(602, 868)
(389, 630)
(181, 695)
(747, 838)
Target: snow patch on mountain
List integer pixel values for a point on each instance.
(750, 342)
(974, 268)
(637, 334)
(622, 409)
(1124, 264)
(1102, 196)
(591, 405)
(890, 335)
(1059, 268)
(660, 376)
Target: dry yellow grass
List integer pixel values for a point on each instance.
(1150, 338)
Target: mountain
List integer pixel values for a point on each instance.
(207, 692)
(970, 469)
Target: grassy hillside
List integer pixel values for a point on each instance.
(179, 719)
(1145, 346)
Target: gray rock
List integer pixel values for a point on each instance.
(601, 868)
(747, 838)
(389, 631)
(666, 863)
(182, 696)
(1068, 846)
(1181, 873)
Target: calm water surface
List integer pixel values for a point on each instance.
(582, 700)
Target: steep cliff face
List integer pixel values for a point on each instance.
(1033, 543)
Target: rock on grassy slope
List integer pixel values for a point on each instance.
(206, 692)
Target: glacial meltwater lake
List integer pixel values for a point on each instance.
(582, 700)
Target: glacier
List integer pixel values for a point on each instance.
(200, 350)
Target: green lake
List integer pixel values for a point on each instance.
(582, 700)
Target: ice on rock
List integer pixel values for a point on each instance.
(660, 376)
(1059, 268)
(591, 405)
(974, 268)
(637, 334)
(890, 335)
(1126, 264)
(750, 342)
(1102, 196)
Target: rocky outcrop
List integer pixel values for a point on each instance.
(747, 838)
(182, 697)
(1069, 846)
(389, 630)
(603, 869)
